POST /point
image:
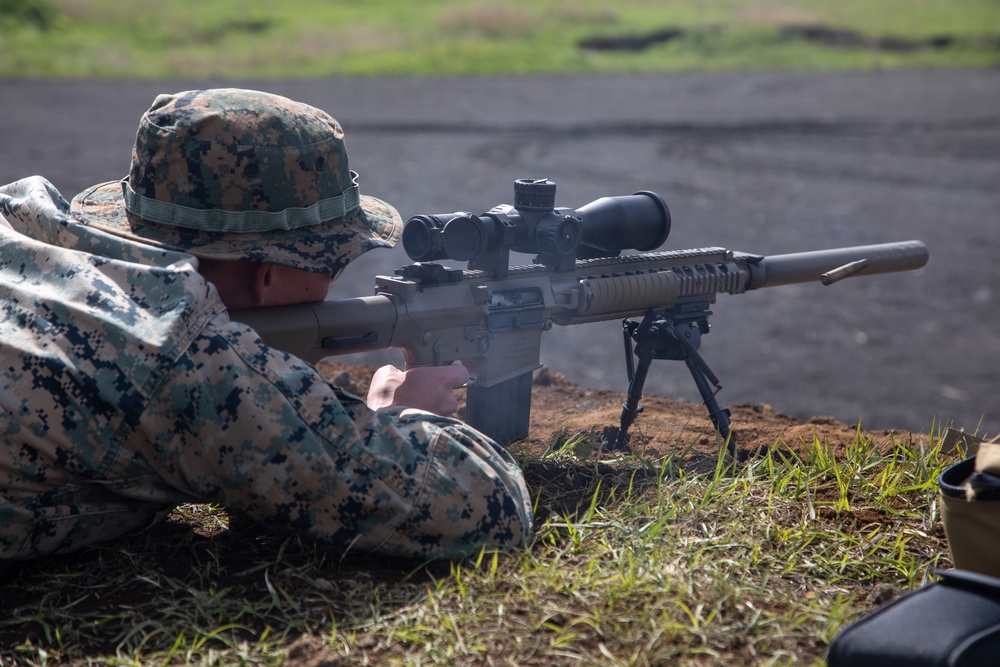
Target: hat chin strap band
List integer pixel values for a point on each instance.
(243, 222)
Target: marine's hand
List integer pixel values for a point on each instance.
(429, 388)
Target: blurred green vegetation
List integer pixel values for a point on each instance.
(319, 38)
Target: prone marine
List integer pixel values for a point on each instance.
(126, 390)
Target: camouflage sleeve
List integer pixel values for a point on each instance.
(264, 433)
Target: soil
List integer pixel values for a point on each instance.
(667, 432)
(565, 414)
(562, 412)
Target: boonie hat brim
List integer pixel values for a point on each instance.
(325, 247)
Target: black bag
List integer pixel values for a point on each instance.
(954, 622)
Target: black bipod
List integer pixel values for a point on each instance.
(674, 334)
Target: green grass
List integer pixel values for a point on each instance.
(634, 563)
(321, 38)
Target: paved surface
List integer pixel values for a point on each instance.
(768, 163)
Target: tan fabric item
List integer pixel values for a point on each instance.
(970, 510)
(988, 458)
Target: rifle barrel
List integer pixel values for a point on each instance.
(804, 267)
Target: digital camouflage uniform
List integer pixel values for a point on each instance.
(125, 389)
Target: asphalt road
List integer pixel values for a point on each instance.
(766, 163)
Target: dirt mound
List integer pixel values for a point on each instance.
(565, 414)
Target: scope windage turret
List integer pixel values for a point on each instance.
(559, 236)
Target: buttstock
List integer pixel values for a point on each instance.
(313, 331)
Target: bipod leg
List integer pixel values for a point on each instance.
(631, 407)
(636, 379)
(718, 415)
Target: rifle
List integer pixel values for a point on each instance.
(490, 316)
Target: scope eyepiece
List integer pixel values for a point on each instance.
(421, 236)
(464, 237)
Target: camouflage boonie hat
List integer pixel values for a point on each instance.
(241, 174)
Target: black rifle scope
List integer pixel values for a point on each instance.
(559, 236)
